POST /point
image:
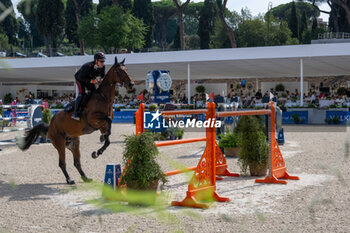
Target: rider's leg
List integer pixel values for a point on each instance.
(78, 101)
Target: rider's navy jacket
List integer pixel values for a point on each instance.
(88, 72)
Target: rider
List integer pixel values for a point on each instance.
(86, 76)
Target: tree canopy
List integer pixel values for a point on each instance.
(50, 21)
(113, 29)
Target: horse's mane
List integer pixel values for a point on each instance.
(107, 77)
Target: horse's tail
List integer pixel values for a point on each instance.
(31, 136)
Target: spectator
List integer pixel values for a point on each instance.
(258, 95)
(46, 104)
(313, 98)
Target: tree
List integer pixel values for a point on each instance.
(114, 29)
(163, 11)
(50, 21)
(177, 43)
(110, 27)
(79, 6)
(228, 29)
(24, 33)
(251, 32)
(28, 9)
(125, 4)
(338, 19)
(88, 30)
(9, 23)
(283, 11)
(103, 3)
(71, 18)
(281, 34)
(206, 23)
(334, 20)
(135, 34)
(180, 12)
(219, 38)
(191, 17)
(4, 43)
(303, 25)
(143, 10)
(293, 21)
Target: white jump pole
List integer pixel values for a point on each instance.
(301, 83)
(188, 84)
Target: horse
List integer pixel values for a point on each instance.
(64, 132)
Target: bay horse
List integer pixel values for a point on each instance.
(64, 132)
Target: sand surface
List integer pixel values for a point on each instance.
(35, 198)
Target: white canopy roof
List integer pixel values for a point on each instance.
(257, 62)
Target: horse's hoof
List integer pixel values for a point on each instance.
(102, 138)
(94, 155)
(86, 179)
(70, 181)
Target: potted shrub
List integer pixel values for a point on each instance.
(47, 115)
(143, 172)
(152, 107)
(8, 98)
(200, 89)
(229, 142)
(279, 88)
(180, 133)
(172, 133)
(336, 120)
(254, 149)
(296, 118)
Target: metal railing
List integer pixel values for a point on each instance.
(333, 35)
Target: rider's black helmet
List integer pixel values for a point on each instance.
(99, 56)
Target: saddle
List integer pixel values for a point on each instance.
(70, 107)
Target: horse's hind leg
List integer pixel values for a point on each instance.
(58, 143)
(105, 134)
(73, 145)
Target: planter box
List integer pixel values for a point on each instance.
(257, 170)
(232, 151)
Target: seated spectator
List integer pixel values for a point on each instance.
(258, 95)
(313, 98)
(266, 98)
(219, 99)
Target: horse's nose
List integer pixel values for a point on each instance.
(131, 84)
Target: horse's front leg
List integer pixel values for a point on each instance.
(103, 131)
(105, 134)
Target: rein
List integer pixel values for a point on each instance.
(106, 83)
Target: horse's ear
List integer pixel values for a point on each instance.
(122, 63)
(115, 60)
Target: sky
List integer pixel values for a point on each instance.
(255, 6)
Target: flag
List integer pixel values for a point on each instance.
(211, 96)
(140, 97)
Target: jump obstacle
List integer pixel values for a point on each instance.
(33, 116)
(212, 162)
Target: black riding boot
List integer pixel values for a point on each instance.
(75, 115)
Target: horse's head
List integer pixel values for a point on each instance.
(122, 74)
